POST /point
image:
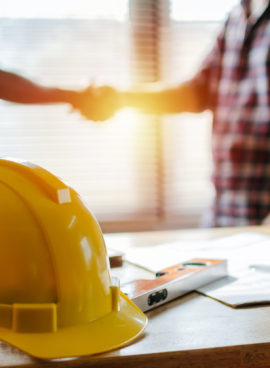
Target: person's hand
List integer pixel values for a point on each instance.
(97, 103)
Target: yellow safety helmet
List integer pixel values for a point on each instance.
(57, 298)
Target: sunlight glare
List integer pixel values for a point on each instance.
(91, 9)
(196, 10)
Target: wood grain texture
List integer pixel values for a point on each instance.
(191, 332)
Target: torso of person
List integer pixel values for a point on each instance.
(241, 132)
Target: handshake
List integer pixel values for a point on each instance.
(101, 103)
(98, 103)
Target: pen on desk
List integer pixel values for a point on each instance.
(260, 268)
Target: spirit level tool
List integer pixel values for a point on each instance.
(174, 281)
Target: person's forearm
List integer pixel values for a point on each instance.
(15, 88)
(181, 99)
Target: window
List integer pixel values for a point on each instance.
(66, 46)
(187, 137)
(135, 172)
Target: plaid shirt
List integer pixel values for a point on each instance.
(234, 82)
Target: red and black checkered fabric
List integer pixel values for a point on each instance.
(234, 82)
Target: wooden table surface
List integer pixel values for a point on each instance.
(191, 332)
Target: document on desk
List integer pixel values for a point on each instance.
(251, 287)
(248, 256)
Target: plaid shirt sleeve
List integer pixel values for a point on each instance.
(205, 82)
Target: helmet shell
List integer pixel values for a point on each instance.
(54, 269)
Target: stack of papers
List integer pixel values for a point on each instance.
(248, 256)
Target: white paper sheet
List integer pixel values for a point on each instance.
(240, 250)
(248, 288)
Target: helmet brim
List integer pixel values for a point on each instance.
(112, 331)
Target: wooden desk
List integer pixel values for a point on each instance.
(192, 331)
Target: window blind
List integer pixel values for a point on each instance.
(187, 137)
(113, 165)
(168, 50)
(188, 190)
(134, 171)
(150, 23)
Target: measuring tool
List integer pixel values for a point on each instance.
(174, 281)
